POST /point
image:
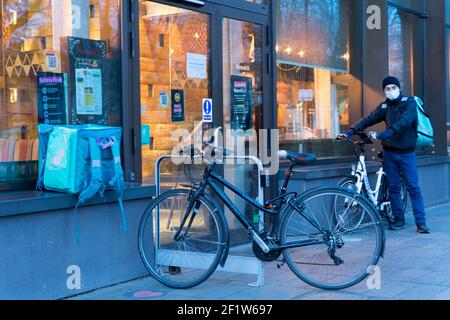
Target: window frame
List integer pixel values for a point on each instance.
(423, 16)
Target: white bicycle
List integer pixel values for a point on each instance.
(358, 180)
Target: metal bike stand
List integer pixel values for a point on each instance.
(235, 264)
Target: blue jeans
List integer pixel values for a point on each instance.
(405, 164)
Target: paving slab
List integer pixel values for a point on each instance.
(415, 266)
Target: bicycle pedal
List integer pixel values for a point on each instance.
(174, 270)
(281, 264)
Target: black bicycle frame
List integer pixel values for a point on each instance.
(214, 181)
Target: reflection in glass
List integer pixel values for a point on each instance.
(313, 108)
(243, 102)
(405, 39)
(312, 32)
(174, 67)
(242, 68)
(34, 39)
(313, 77)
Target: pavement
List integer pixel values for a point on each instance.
(415, 267)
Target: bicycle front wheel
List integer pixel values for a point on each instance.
(332, 238)
(181, 256)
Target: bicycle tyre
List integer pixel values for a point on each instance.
(309, 272)
(185, 264)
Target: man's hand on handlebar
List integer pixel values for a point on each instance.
(346, 135)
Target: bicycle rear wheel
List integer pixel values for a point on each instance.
(188, 261)
(335, 236)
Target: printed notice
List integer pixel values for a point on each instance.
(51, 61)
(163, 99)
(241, 103)
(305, 95)
(196, 66)
(52, 98)
(89, 91)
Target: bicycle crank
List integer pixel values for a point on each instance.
(270, 256)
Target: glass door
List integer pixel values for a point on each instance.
(187, 54)
(174, 55)
(242, 46)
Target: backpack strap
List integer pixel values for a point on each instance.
(95, 185)
(118, 181)
(44, 135)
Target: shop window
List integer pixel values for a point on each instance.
(174, 58)
(406, 50)
(59, 64)
(313, 75)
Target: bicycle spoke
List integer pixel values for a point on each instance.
(343, 252)
(359, 227)
(193, 256)
(344, 215)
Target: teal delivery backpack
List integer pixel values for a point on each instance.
(425, 132)
(83, 160)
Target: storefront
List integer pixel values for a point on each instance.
(311, 68)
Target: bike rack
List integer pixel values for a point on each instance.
(235, 264)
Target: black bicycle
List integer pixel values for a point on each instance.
(184, 236)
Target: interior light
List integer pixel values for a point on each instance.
(13, 17)
(13, 95)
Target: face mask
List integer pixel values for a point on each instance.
(393, 95)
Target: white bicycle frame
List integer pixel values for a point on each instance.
(362, 179)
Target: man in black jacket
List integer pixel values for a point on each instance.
(399, 142)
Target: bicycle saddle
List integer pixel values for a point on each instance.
(301, 159)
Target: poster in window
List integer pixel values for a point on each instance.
(196, 66)
(177, 105)
(86, 74)
(241, 103)
(89, 91)
(52, 98)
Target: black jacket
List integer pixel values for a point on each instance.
(399, 115)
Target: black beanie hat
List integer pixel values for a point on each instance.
(390, 80)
